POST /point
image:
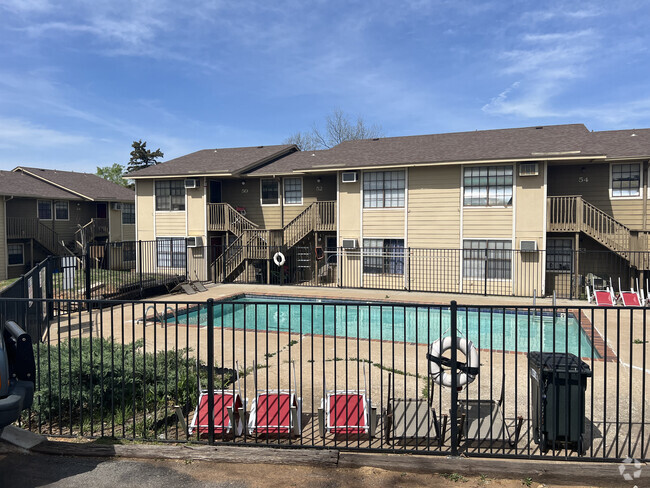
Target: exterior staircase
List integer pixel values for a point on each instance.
(261, 243)
(574, 214)
(19, 228)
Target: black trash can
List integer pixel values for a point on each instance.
(557, 383)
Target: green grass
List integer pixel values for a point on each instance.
(5, 283)
(111, 278)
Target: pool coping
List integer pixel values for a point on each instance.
(597, 342)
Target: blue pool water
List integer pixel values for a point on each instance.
(522, 331)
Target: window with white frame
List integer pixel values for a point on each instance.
(383, 256)
(170, 195)
(384, 189)
(128, 213)
(61, 210)
(15, 254)
(293, 191)
(489, 259)
(487, 186)
(44, 209)
(559, 255)
(270, 190)
(626, 180)
(170, 252)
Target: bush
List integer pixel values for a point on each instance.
(84, 379)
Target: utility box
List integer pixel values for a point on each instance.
(557, 383)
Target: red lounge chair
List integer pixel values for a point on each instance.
(630, 298)
(275, 412)
(347, 412)
(228, 414)
(602, 298)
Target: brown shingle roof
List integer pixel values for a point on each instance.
(86, 185)
(622, 143)
(18, 184)
(483, 145)
(225, 161)
(295, 161)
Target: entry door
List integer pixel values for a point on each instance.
(215, 191)
(101, 210)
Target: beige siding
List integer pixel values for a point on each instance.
(434, 207)
(247, 196)
(196, 206)
(114, 224)
(349, 208)
(494, 223)
(591, 180)
(3, 241)
(383, 223)
(128, 232)
(144, 210)
(530, 205)
(169, 224)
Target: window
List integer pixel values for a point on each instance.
(270, 192)
(44, 210)
(626, 180)
(383, 189)
(128, 251)
(487, 259)
(15, 254)
(171, 252)
(559, 255)
(293, 191)
(61, 211)
(487, 186)
(128, 213)
(383, 256)
(170, 195)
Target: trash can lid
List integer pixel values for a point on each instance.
(558, 362)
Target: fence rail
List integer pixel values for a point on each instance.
(348, 375)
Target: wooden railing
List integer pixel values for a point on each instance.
(319, 216)
(573, 214)
(221, 216)
(253, 243)
(19, 228)
(88, 232)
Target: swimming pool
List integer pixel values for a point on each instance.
(495, 329)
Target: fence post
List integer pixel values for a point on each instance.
(454, 377)
(187, 277)
(140, 265)
(210, 340)
(87, 270)
(485, 272)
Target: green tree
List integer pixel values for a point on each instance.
(339, 127)
(141, 157)
(113, 173)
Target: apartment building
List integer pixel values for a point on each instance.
(503, 200)
(51, 212)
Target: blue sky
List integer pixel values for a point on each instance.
(80, 80)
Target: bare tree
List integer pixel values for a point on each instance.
(338, 128)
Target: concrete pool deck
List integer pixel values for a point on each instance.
(618, 391)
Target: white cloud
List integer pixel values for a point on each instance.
(16, 133)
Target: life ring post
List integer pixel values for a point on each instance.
(453, 313)
(279, 259)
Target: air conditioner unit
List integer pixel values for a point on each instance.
(349, 177)
(194, 242)
(528, 169)
(116, 206)
(349, 243)
(528, 246)
(191, 183)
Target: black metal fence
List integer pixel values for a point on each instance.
(560, 272)
(377, 376)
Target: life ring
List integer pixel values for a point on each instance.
(467, 372)
(278, 259)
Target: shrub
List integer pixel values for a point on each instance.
(84, 379)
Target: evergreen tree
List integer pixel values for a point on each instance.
(141, 157)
